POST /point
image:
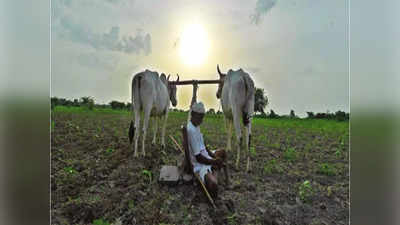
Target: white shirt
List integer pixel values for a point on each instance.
(196, 145)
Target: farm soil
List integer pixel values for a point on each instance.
(95, 176)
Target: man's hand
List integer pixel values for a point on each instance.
(218, 162)
(220, 154)
(210, 153)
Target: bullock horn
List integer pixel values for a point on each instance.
(168, 76)
(178, 77)
(219, 70)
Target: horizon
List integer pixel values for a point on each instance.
(216, 110)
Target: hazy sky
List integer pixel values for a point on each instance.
(296, 50)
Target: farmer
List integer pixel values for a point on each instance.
(205, 162)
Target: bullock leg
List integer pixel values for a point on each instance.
(248, 142)
(165, 117)
(228, 124)
(155, 130)
(238, 132)
(145, 125)
(137, 131)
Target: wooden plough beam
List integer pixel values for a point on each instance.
(191, 82)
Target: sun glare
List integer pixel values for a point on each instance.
(194, 45)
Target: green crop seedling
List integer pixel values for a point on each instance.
(305, 191)
(290, 154)
(148, 174)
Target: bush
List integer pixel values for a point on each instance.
(273, 115)
(76, 102)
(211, 111)
(128, 106)
(117, 105)
(261, 115)
(292, 115)
(339, 115)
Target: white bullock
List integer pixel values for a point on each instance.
(236, 91)
(151, 95)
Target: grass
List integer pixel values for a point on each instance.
(100, 222)
(75, 109)
(70, 170)
(272, 167)
(290, 154)
(327, 169)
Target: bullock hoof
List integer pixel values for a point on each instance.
(163, 146)
(237, 165)
(248, 169)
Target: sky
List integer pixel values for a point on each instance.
(297, 51)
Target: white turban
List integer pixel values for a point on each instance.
(198, 107)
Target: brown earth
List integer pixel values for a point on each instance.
(95, 176)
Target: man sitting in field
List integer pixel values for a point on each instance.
(204, 161)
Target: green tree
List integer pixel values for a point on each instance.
(88, 102)
(292, 115)
(310, 115)
(273, 115)
(128, 106)
(117, 105)
(260, 100)
(76, 102)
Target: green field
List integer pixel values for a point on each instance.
(300, 172)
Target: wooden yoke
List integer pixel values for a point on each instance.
(191, 82)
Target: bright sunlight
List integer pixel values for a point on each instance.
(194, 45)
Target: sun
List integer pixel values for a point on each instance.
(194, 45)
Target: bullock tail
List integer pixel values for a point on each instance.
(248, 109)
(135, 103)
(131, 132)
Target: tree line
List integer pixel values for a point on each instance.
(338, 115)
(89, 103)
(260, 102)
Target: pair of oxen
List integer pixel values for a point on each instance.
(152, 94)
